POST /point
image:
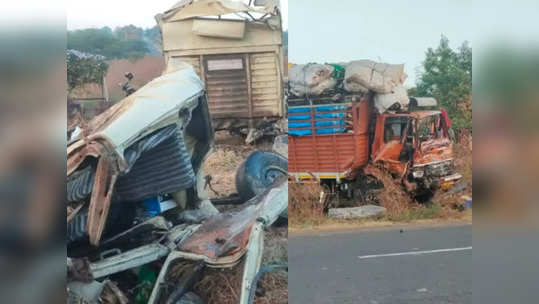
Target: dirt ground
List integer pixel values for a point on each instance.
(222, 286)
(222, 164)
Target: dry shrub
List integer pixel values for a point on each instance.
(304, 203)
(223, 286)
(393, 197)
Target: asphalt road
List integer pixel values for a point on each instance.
(377, 267)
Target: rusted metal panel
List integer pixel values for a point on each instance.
(227, 233)
(105, 178)
(226, 85)
(265, 80)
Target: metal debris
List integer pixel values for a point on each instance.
(148, 150)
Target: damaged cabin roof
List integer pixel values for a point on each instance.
(156, 103)
(186, 9)
(105, 138)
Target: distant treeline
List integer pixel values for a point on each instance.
(129, 41)
(123, 42)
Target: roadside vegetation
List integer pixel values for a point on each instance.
(122, 42)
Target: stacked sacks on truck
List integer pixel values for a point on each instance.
(359, 77)
(383, 79)
(368, 75)
(311, 79)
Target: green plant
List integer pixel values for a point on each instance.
(447, 76)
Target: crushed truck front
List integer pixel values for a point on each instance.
(433, 164)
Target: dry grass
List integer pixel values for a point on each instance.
(393, 197)
(223, 286)
(222, 165)
(229, 152)
(304, 207)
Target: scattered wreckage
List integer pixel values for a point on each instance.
(236, 49)
(348, 120)
(136, 195)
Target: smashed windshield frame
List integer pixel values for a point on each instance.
(429, 128)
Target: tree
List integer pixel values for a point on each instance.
(447, 76)
(123, 42)
(84, 68)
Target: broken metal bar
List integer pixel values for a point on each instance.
(252, 261)
(278, 203)
(186, 284)
(233, 199)
(129, 259)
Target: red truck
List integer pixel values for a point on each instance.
(339, 142)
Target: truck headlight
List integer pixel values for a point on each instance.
(417, 173)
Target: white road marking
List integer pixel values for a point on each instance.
(414, 252)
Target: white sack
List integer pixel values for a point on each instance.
(312, 79)
(366, 75)
(383, 102)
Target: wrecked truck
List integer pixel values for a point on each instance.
(342, 141)
(135, 196)
(236, 49)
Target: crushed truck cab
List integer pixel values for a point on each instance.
(416, 147)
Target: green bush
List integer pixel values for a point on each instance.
(447, 76)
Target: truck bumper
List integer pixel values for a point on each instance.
(447, 181)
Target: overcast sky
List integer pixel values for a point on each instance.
(389, 31)
(112, 13)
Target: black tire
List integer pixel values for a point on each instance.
(258, 172)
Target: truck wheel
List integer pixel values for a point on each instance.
(372, 199)
(258, 172)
